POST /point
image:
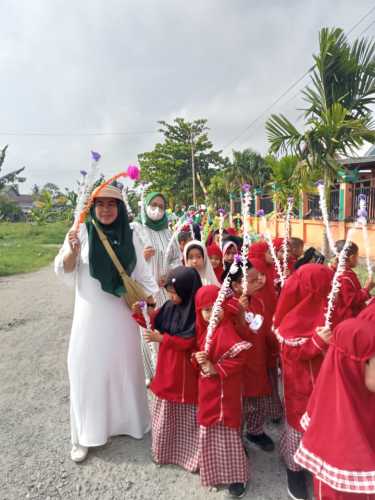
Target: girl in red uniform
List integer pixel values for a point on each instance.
(338, 447)
(353, 297)
(216, 257)
(257, 385)
(222, 458)
(264, 302)
(298, 324)
(175, 433)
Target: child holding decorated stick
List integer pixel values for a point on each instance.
(222, 458)
(257, 385)
(338, 446)
(353, 297)
(175, 384)
(299, 327)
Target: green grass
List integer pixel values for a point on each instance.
(26, 247)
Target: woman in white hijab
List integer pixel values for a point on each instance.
(195, 255)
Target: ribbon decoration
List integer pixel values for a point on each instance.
(246, 237)
(362, 221)
(221, 212)
(268, 238)
(146, 317)
(286, 236)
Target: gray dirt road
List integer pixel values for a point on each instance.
(35, 318)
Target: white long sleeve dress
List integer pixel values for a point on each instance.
(107, 384)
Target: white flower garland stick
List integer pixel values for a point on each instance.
(124, 192)
(268, 238)
(323, 207)
(219, 302)
(86, 185)
(146, 317)
(178, 228)
(335, 288)
(221, 212)
(286, 236)
(362, 221)
(143, 213)
(246, 237)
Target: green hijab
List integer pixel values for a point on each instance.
(119, 235)
(156, 225)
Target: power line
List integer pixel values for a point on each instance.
(76, 134)
(258, 117)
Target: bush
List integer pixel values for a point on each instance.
(9, 210)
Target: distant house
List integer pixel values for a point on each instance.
(24, 201)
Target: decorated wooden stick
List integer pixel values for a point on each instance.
(268, 238)
(214, 319)
(323, 207)
(362, 221)
(286, 236)
(221, 212)
(246, 237)
(86, 185)
(146, 317)
(335, 288)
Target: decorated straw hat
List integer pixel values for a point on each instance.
(109, 191)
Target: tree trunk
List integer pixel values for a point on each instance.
(325, 244)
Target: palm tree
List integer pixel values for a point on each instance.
(337, 116)
(248, 166)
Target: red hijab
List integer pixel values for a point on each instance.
(303, 301)
(215, 250)
(267, 294)
(204, 300)
(339, 444)
(258, 250)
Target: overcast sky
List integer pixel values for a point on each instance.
(111, 66)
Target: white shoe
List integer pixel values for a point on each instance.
(78, 453)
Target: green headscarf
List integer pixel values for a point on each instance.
(156, 225)
(119, 235)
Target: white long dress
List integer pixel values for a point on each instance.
(159, 267)
(107, 385)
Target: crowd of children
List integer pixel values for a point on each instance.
(211, 399)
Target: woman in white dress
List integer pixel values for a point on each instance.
(107, 385)
(156, 235)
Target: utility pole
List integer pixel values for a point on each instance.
(193, 168)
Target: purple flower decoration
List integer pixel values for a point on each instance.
(320, 182)
(246, 187)
(190, 220)
(141, 303)
(362, 197)
(134, 172)
(290, 199)
(221, 211)
(83, 173)
(238, 259)
(95, 156)
(260, 213)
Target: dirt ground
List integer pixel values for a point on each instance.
(35, 319)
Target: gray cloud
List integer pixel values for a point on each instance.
(98, 66)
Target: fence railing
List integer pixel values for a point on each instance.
(266, 204)
(369, 192)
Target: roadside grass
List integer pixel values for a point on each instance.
(26, 247)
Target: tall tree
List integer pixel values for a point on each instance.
(248, 166)
(12, 178)
(338, 117)
(169, 167)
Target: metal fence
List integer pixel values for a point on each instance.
(366, 189)
(313, 206)
(266, 204)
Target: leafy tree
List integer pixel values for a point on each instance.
(338, 117)
(169, 166)
(9, 210)
(248, 166)
(12, 178)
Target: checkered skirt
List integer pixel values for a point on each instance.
(276, 409)
(175, 434)
(256, 411)
(222, 458)
(289, 442)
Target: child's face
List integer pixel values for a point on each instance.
(173, 297)
(229, 254)
(206, 314)
(255, 281)
(195, 259)
(215, 261)
(353, 260)
(268, 257)
(296, 251)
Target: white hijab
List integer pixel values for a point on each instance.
(207, 274)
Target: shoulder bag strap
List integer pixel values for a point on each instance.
(110, 251)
